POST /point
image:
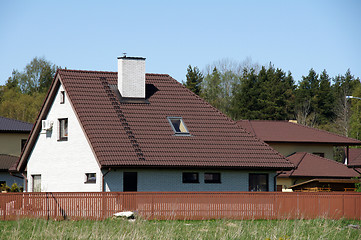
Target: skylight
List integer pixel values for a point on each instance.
(178, 126)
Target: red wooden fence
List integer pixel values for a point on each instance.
(181, 205)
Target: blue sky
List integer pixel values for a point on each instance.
(89, 35)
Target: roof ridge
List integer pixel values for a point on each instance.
(204, 101)
(107, 72)
(330, 160)
(85, 71)
(12, 119)
(323, 131)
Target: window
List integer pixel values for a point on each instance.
(321, 154)
(90, 178)
(23, 141)
(212, 178)
(190, 177)
(178, 126)
(62, 97)
(63, 129)
(258, 182)
(36, 183)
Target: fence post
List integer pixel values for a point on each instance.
(152, 207)
(104, 205)
(3, 205)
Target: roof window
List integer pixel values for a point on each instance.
(178, 126)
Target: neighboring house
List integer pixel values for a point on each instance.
(131, 131)
(309, 166)
(287, 137)
(13, 136)
(354, 159)
(293, 140)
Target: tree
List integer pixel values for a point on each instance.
(211, 89)
(36, 77)
(326, 100)
(344, 86)
(24, 92)
(194, 79)
(306, 101)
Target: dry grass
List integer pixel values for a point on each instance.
(213, 229)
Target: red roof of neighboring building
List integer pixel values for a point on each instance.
(285, 131)
(139, 134)
(309, 165)
(354, 157)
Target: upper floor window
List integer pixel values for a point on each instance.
(23, 142)
(178, 126)
(62, 97)
(63, 129)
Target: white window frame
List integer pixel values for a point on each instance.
(36, 177)
(63, 132)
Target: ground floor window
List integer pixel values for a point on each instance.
(36, 183)
(258, 182)
(212, 177)
(190, 177)
(90, 178)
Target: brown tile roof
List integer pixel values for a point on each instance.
(354, 157)
(285, 131)
(139, 134)
(309, 165)
(6, 161)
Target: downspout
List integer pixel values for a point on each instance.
(275, 181)
(103, 182)
(26, 182)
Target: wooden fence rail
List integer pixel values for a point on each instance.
(181, 205)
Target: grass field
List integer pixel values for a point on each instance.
(214, 229)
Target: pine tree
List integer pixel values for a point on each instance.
(194, 79)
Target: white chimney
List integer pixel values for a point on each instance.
(131, 77)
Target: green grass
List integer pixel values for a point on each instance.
(212, 229)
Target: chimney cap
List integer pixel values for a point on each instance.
(135, 58)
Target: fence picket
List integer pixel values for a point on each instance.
(181, 205)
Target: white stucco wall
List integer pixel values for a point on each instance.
(63, 164)
(171, 180)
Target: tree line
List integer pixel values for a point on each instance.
(240, 90)
(250, 91)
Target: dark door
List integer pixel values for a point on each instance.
(130, 181)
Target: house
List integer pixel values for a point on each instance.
(131, 131)
(309, 166)
(13, 136)
(288, 137)
(300, 144)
